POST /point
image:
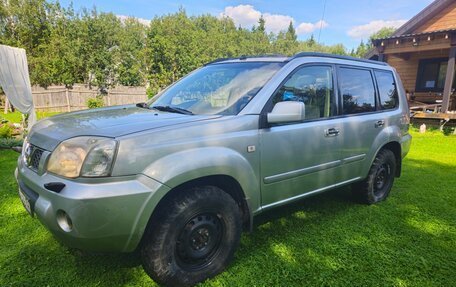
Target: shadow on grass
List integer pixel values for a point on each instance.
(319, 202)
(410, 239)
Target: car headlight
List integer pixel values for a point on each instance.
(83, 156)
(25, 147)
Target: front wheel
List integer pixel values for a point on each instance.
(377, 186)
(192, 238)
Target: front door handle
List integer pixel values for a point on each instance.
(332, 132)
(379, 124)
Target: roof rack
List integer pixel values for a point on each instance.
(325, 55)
(245, 57)
(299, 55)
(218, 60)
(263, 56)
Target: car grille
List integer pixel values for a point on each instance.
(33, 156)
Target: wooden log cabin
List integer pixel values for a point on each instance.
(423, 51)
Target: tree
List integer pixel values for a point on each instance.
(261, 25)
(172, 43)
(130, 56)
(338, 49)
(363, 48)
(25, 23)
(291, 33)
(260, 40)
(311, 41)
(98, 49)
(3, 19)
(286, 41)
(58, 60)
(384, 32)
(99, 33)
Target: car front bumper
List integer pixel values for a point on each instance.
(107, 214)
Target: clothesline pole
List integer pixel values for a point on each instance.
(6, 106)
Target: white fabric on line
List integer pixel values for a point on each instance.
(15, 80)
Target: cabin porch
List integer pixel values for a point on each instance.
(426, 64)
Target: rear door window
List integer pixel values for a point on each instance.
(387, 89)
(357, 90)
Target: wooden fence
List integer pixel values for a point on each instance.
(61, 99)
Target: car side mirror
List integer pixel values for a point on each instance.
(289, 111)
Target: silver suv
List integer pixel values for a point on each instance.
(181, 176)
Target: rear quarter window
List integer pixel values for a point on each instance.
(387, 89)
(357, 90)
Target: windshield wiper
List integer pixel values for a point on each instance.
(173, 110)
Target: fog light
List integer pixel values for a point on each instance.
(64, 221)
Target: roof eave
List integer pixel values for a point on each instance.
(426, 14)
(446, 31)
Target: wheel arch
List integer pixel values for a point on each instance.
(225, 182)
(395, 147)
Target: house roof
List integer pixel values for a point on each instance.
(419, 19)
(422, 17)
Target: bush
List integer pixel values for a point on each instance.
(150, 92)
(6, 131)
(94, 103)
(7, 143)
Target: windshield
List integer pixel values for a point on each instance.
(216, 89)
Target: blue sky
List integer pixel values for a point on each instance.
(345, 22)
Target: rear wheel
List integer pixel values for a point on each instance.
(193, 237)
(377, 186)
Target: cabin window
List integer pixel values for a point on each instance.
(431, 75)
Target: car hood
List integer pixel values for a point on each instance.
(109, 122)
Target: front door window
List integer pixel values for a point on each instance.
(312, 85)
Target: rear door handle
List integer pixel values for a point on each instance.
(332, 132)
(379, 123)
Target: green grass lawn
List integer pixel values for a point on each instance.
(16, 117)
(326, 240)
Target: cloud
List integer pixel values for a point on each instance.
(145, 22)
(247, 16)
(244, 15)
(364, 31)
(305, 28)
(275, 22)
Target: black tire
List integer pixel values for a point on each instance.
(377, 186)
(193, 237)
